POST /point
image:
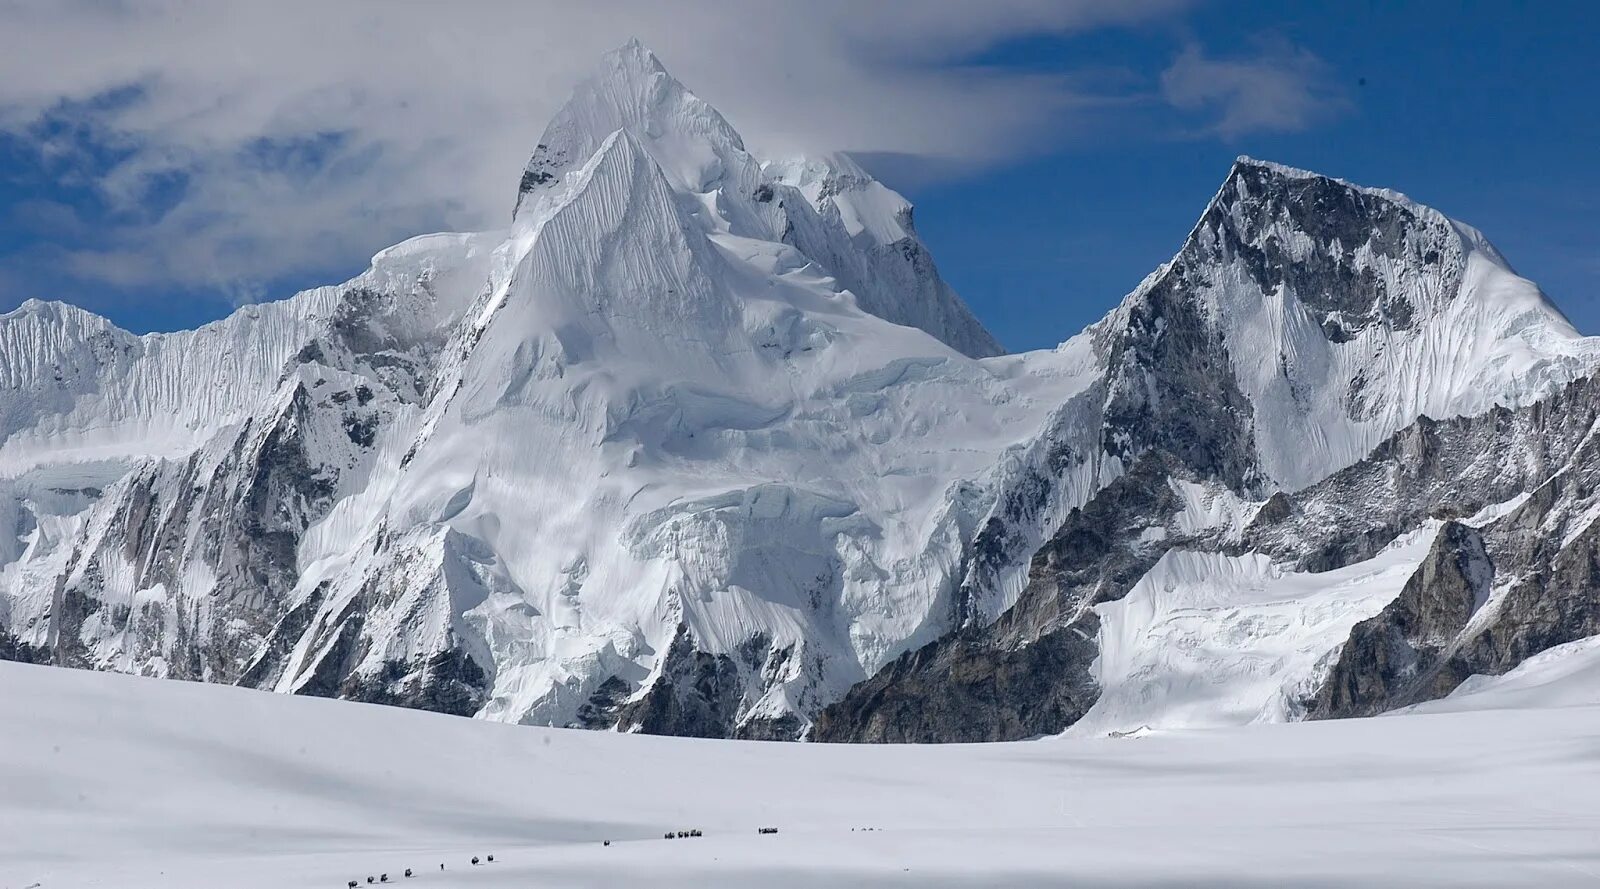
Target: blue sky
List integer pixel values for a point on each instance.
(1056, 152)
(1489, 112)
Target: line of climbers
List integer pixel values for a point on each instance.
(671, 834)
(384, 878)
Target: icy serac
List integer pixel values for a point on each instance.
(704, 445)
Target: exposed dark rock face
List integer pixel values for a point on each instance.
(14, 649)
(1559, 603)
(1169, 389)
(1551, 545)
(449, 681)
(604, 705)
(1423, 645)
(543, 171)
(1172, 388)
(967, 687)
(1402, 655)
(787, 727)
(697, 695)
(1258, 204)
(239, 512)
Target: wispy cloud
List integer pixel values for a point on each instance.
(1280, 88)
(229, 141)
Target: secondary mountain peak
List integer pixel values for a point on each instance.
(1328, 295)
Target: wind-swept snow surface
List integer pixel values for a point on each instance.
(128, 783)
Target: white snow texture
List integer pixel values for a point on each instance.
(114, 783)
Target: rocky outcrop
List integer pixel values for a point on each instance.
(1454, 618)
(1404, 655)
(697, 695)
(233, 515)
(448, 681)
(967, 687)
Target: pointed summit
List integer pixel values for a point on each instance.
(851, 226)
(1308, 194)
(631, 90)
(1337, 248)
(1327, 296)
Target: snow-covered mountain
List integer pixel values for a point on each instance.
(1306, 330)
(663, 453)
(704, 445)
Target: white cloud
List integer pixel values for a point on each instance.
(420, 115)
(1279, 89)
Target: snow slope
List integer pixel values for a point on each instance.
(114, 782)
(1207, 640)
(1564, 676)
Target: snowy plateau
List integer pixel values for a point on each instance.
(123, 782)
(703, 445)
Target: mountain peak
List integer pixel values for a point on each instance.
(55, 312)
(1254, 180)
(1317, 286)
(1263, 205)
(1246, 162)
(631, 90)
(634, 56)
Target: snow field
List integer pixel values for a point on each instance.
(118, 781)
